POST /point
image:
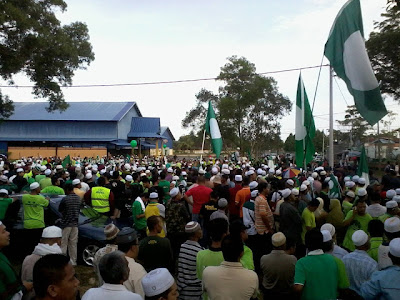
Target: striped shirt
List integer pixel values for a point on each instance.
(261, 208)
(189, 285)
(70, 208)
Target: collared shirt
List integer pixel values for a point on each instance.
(136, 273)
(338, 252)
(383, 284)
(110, 291)
(359, 268)
(230, 281)
(383, 257)
(261, 208)
(249, 217)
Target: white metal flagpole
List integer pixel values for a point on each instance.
(331, 157)
(202, 146)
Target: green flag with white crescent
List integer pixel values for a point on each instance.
(362, 169)
(346, 52)
(334, 188)
(212, 129)
(305, 127)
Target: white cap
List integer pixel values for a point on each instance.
(128, 178)
(202, 172)
(20, 170)
(398, 191)
(390, 194)
(347, 178)
(361, 181)
(396, 198)
(361, 192)
(303, 187)
(271, 171)
(184, 173)
(253, 185)
(254, 193)
(250, 172)
(225, 166)
(278, 239)
(306, 182)
(157, 282)
(214, 170)
(170, 170)
(34, 186)
(323, 173)
(76, 181)
(314, 175)
(173, 192)
(222, 203)
(43, 168)
(310, 179)
(392, 224)
(286, 193)
(290, 182)
(359, 238)
(47, 172)
(88, 175)
(238, 178)
(103, 171)
(329, 227)
(278, 172)
(153, 195)
(355, 178)
(59, 167)
(226, 171)
(3, 178)
(127, 166)
(394, 247)
(391, 204)
(259, 171)
(52, 232)
(350, 194)
(349, 184)
(175, 177)
(326, 236)
(295, 192)
(3, 191)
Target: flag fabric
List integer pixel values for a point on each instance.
(334, 188)
(305, 127)
(249, 155)
(362, 169)
(346, 52)
(66, 161)
(212, 129)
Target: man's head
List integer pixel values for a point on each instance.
(154, 224)
(232, 248)
(392, 228)
(314, 239)
(376, 228)
(263, 188)
(218, 229)
(238, 230)
(175, 194)
(35, 188)
(361, 207)
(327, 244)
(279, 241)
(54, 278)
(55, 181)
(394, 251)
(4, 236)
(361, 240)
(114, 268)
(193, 231)
(392, 207)
(51, 235)
(313, 204)
(160, 285)
(128, 242)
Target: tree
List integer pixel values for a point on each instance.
(33, 42)
(248, 107)
(356, 125)
(384, 50)
(318, 140)
(290, 143)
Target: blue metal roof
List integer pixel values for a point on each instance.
(77, 111)
(165, 131)
(145, 128)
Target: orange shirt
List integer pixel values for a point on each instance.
(241, 197)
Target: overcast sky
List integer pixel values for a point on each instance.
(146, 41)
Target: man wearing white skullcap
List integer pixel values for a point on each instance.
(392, 210)
(336, 250)
(392, 231)
(359, 265)
(159, 284)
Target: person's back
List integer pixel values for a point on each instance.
(45, 182)
(33, 208)
(200, 194)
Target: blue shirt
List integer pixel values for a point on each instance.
(383, 285)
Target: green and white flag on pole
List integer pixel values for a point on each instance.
(334, 188)
(305, 127)
(346, 52)
(212, 129)
(362, 169)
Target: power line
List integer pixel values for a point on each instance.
(160, 82)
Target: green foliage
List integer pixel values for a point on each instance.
(318, 140)
(290, 143)
(355, 125)
(384, 50)
(248, 108)
(33, 42)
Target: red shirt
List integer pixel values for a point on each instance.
(233, 209)
(201, 195)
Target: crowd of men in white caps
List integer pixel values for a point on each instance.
(217, 230)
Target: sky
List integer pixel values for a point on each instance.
(150, 41)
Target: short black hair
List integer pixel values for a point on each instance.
(115, 175)
(48, 270)
(314, 239)
(145, 179)
(376, 228)
(325, 185)
(262, 186)
(54, 180)
(101, 181)
(232, 248)
(246, 180)
(152, 222)
(68, 187)
(217, 228)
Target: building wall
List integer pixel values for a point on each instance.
(18, 152)
(124, 125)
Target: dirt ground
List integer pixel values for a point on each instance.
(87, 278)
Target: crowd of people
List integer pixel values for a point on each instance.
(220, 229)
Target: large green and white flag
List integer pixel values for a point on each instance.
(346, 52)
(335, 191)
(212, 129)
(305, 127)
(362, 169)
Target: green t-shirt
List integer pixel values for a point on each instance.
(319, 275)
(165, 186)
(347, 206)
(384, 217)
(39, 177)
(359, 223)
(207, 258)
(373, 250)
(33, 211)
(9, 283)
(45, 182)
(247, 258)
(308, 221)
(343, 282)
(137, 209)
(4, 203)
(53, 190)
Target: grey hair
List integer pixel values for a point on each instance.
(114, 268)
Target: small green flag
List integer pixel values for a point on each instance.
(249, 155)
(346, 52)
(128, 158)
(66, 161)
(362, 169)
(212, 129)
(334, 188)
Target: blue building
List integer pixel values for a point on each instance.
(97, 127)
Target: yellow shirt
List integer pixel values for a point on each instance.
(152, 210)
(308, 221)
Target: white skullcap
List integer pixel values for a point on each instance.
(361, 181)
(147, 171)
(392, 225)
(319, 169)
(329, 227)
(222, 203)
(350, 194)
(3, 178)
(310, 179)
(254, 193)
(326, 236)
(251, 172)
(173, 183)
(359, 238)
(175, 177)
(184, 173)
(34, 186)
(397, 191)
(153, 195)
(303, 187)
(192, 226)
(361, 192)
(349, 184)
(103, 171)
(3, 191)
(20, 170)
(396, 198)
(278, 172)
(202, 172)
(47, 172)
(290, 182)
(314, 175)
(271, 171)
(263, 173)
(252, 168)
(253, 185)
(295, 192)
(157, 282)
(43, 168)
(355, 178)
(278, 239)
(76, 181)
(226, 171)
(394, 247)
(88, 175)
(225, 166)
(127, 166)
(128, 178)
(347, 178)
(214, 170)
(391, 204)
(306, 183)
(238, 178)
(52, 232)
(59, 167)
(323, 173)
(286, 193)
(173, 192)
(259, 171)
(170, 170)
(390, 194)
